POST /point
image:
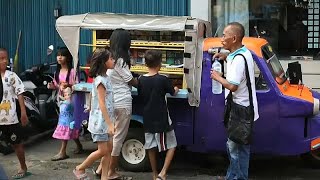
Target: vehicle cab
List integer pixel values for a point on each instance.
(289, 113)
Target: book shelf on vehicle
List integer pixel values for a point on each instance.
(170, 43)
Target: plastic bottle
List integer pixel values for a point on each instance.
(216, 86)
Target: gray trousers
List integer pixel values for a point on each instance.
(122, 123)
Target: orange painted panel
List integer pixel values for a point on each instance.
(315, 143)
(297, 91)
(254, 44)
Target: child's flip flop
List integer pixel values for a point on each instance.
(83, 176)
(21, 175)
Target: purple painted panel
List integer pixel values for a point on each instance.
(296, 133)
(316, 94)
(293, 107)
(79, 106)
(182, 116)
(291, 140)
(209, 129)
(266, 127)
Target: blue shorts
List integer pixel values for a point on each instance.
(100, 137)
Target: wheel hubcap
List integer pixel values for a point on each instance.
(133, 151)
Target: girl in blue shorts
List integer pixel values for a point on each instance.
(101, 120)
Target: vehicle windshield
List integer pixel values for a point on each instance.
(274, 64)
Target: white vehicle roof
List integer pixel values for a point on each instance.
(195, 30)
(110, 21)
(69, 26)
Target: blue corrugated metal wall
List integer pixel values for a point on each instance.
(35, 19)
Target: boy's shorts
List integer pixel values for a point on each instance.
(11, 134)
(100, 137)
(164, 141)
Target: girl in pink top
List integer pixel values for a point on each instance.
(65, 77)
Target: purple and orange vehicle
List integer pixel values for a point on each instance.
(289, 122)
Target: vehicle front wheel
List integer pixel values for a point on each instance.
(133, 156)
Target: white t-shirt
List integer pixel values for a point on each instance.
(236, 75)
(120, 76)
(12, 87)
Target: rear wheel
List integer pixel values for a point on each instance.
(133, 156)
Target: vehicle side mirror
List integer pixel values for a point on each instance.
(295, 73)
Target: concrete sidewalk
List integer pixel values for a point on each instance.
(185, 166)
(38, 160)
(39, 164)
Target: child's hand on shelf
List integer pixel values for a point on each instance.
(176, 90)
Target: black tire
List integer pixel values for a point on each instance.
(135, 136)
(312, 159)
(5, 148)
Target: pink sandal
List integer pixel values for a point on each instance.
(83, 176)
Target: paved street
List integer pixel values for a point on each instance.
(188, 166)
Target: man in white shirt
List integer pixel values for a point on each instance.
(236, 82)
(12, 88)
